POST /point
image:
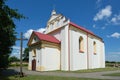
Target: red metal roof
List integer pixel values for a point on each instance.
(81, 28)
(46, 37)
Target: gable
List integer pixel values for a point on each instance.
(37, 37)
(33, 39)
(56, 21)
(53, 17)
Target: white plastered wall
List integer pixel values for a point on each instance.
(95, 57)
(78, 60)
(62, 35)
(46, 58)
(64, 48)
(30, 60)
(51, 59)
(102, 55)
(96, 60)
(85, 60)
(38, 58)
(57, 34)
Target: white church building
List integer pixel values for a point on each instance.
(65, 46)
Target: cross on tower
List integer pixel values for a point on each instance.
(21, 50)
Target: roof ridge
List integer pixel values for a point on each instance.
(84, 29)
(80, 27)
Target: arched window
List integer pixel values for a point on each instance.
(81, 44)
(94, 47)
(34, 53)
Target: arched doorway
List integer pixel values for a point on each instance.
(34, 64)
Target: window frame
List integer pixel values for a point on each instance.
(81, 44)
(34, 52)
(94, 48)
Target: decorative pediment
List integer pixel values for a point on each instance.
(37, 37)
(33, 39)
(56, 21)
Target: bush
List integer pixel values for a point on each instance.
(17, 64)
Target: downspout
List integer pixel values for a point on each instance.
(87, 53)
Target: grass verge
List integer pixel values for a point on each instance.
(92, 70)
(99, 70)
(113, 74)
(31, 77)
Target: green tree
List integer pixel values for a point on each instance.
(13, 59)
(26, 54)
(7, 32)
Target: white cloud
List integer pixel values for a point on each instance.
(41, 30)
(108, 36)
(16, 51)
(104, 13)
(94, 26)
(115, 53)
(114, 35)
(98, 1)
(16, 47)
(29, 32)
(103, 27)
(116, 20)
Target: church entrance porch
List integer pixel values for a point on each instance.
(33, 64)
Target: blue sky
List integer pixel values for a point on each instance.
(100, 16)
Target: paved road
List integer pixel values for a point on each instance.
(97, 75)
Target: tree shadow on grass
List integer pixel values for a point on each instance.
(7, 73)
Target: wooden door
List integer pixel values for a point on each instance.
(34, 64)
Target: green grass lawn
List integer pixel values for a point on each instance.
(113, 74)
(98, 70)
(31, 77)
(93, 70)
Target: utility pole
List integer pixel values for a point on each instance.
(21, 50)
